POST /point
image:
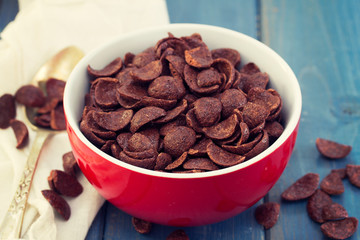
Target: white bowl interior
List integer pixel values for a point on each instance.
(282, 79)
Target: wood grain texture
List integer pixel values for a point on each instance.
(238, 15)
(320, 42)
(96, 230)
(118, 226)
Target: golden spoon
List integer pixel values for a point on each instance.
(59, 67)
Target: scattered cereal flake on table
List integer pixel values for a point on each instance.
(303, 188)
(331, 149)
(340, 229)
(267, 214)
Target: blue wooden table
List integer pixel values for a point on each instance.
(320, 40)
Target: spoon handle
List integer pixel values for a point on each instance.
(12, 223)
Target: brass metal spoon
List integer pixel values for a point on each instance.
(59, 67)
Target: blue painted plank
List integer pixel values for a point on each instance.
(238, 15)
(97, 227)
(320, 41)
(8, 11)
(119, 226)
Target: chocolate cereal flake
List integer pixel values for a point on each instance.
(144, 58)
(259, 147)
(69, 163)
(179, 140)
(132, 92)
(200, 164)
(266, 98)
(303, 188)
(178, 162)
(232, 99)
(173, 113)
(58, 203)
(315, 205)
(7, 110)
(190, 77)
(176, 65)
(221, 157)
(250, 68)
(162, 161)
(138, 143)
(114, 120)
(274, 129)
(230, 54)
(243, 148)
(340, 229)
(208, 77)
(222, 130)
(258, 79)
(341, 172)
(57, 121)
(154, 135)
(267, 214)
(109, 70)
(207, 111)
(179, 234)
(199, 149)
(334, 211)
(105, 92)
(21, 132)
(331, 149)
(147, 163)
(64, 183)
(141, 226)
(55, 88)
(332, 184)
(148, 72)
(166, 87)
(199, 57)
(353, 173)
(144, 116)
(254, 114)
(50, 104)
(227, 70)
(30, 96)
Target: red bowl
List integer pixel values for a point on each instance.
(187, 199)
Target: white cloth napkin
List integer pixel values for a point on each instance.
(42, 28)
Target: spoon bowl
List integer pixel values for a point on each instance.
(58, 67)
